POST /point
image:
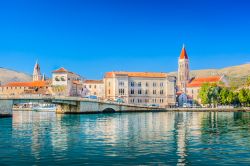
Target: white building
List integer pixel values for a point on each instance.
(94, 88)
(141, 88)
(66, 83)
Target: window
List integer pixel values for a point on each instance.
(154, 92)
(109, 83)
(121, 83)
(132, 84)
(146, 84)
(121, 91)
(161, 92)
(146, 92)
(154, 84)
(109, 91)
(161, 100)
(57, 78)
(95, 86)
(139, 84)
(139, 91)
(62, 78)
(89, 86)
(161, 84)
(132, 91)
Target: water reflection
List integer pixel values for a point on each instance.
(128, 138)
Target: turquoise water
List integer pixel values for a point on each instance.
(32, 138)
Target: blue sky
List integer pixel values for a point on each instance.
(91, 37)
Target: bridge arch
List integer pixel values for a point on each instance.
(108, 110)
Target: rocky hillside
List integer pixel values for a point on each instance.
(7, 75)
(236, 75)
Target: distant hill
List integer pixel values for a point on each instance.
(235, 74)
(7, 75)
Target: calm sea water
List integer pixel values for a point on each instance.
(31, 138)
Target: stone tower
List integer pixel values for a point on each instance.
(183, 70)
(37, 73)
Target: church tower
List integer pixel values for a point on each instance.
(183, 70)
(37, 73)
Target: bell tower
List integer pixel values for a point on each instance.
(37, 73)
(183, 70)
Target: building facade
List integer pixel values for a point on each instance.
(94, 88)
(20, 88)
(194, 86)
(143, 88)
(66, 83)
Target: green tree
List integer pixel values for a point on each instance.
(230, 97)
(214, 96)
(223, 96)
(243, 98)
(203, 93)
(248, 96)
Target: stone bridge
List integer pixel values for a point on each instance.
(73, 105)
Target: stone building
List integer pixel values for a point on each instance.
(66, 83)
(195, 84)
(19, 88)
(191, 86)
(141, 88)
(37, 86)
(94, 88)
(37, 76)
(183, 70)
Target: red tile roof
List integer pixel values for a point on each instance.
(93, 81)
(61, 70)
(77, 82)
(197, 82)
(183, 54)
(136, 74)
(27, 84)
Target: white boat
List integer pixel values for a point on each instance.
(45, 108)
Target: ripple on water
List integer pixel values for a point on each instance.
(33, 138)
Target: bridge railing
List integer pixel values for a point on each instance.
(24, 96)
(71, 98)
